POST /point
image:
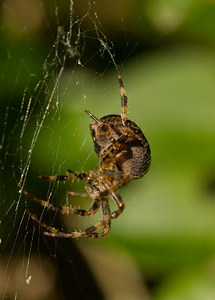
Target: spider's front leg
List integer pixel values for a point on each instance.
(88, 233)
(86, 177)
(123, 99)
(115, 147)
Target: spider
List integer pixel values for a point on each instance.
(124, 155)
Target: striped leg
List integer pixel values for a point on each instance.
(111, 189)
(90, 232)
(106, 219)
(104, 128)
(123, 100)
(66, 209)
(116, 146)
(86, 177)
(120, 203)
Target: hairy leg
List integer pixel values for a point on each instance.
(86, 177)
(90, 232)
(66, 209)
(123, 99)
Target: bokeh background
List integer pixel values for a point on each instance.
(163, 246)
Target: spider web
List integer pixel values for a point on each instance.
(28, 130)
(49, 76)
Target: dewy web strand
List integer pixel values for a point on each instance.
(73, 39)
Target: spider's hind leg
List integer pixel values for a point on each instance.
(44, 225)
(106, 220)
(66, 209)
(107, 217)
(91, 231)
(88, 233)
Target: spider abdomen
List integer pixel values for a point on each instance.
(121, 144)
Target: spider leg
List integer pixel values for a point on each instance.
(44, 225)
(105, 128)
(113, 173)
(53, 232)
(84, 195)
(116, 146)
(66, 209)
(88, 233)
(93, 117)
(123, 99)
(106, 219)
(120, 203)
(111, 188)
(86, 177)
(72, 175)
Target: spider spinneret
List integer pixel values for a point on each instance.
(124, 155)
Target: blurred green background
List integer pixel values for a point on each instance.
(162, 247)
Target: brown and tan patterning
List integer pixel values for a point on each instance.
(124, 155)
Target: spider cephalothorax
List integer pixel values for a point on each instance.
(124, 155)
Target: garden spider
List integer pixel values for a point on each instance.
(124, 155)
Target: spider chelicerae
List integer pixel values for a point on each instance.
(124, 155)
